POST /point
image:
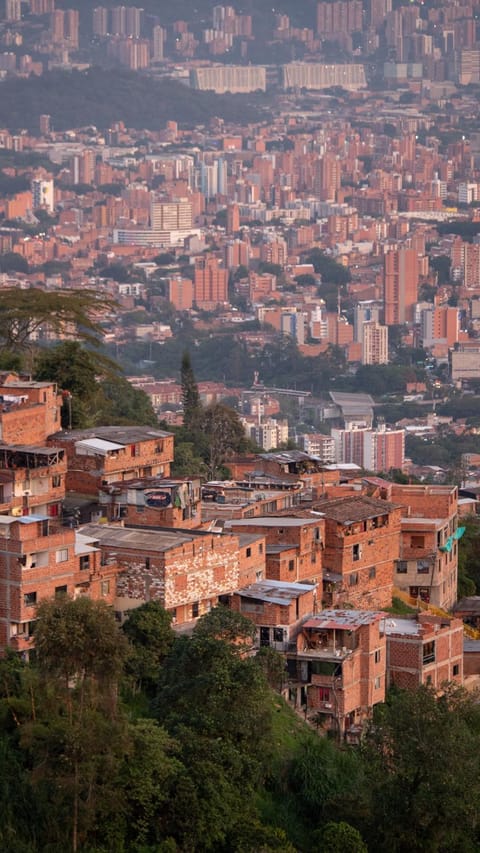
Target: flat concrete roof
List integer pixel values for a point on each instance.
(343, 619)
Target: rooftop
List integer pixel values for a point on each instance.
(121, 435)
(276, 592)
(271, 521)
(137, 538)
(341, 620)
(351, 509)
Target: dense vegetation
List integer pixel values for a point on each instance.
(101, 97)
(132, 739)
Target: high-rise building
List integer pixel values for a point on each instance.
(71, 27)
(42, 7)
(45, 124)
(43, 194)
(158, 41)
(375, 343)
(210, 283)
(133, 21)
(100, 21)
(171, 215)
(13, 10)
(118, 19)
(401, 286)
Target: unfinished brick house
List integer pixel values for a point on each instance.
(153, 501)
(427, 566)
(103, 455)
(188, 572)
(245, 500)
(337, 670)
(32, 480)
(294, 545)
(423, 649)
(40, 559)
(277, 609)
(362, 543)
(29, 411)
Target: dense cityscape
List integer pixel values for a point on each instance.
(240, 426)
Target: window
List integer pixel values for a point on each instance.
(378, 655)
(291, 565)
(61, 555)
(259, 576)
(353, 579)
(105, 587)
(260, 548)
(195, 609)
(84, 562)
(401, 567)
(30, 599)
(60, 591)
(323, 694)
(56, 481)
(147, 564)
(173, 614)
(429, 652)
(378, 682)
(278, 635)
(456, 669)
(372, 572)
(281, 530)
(248, 552)
(45, 527)
(417, 541)
(356, 552)
(423, 567)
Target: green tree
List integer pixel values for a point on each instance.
(192, 407)
(223, 436)
(215, 703)
(150, 633)
(24, 312)
(340, 838)
(221, 623)
(422, 764)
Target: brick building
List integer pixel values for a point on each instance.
(338, 668)
(153, 501)
(294, 546)
(427, 565)
(29, 411)
(277, 609)
(187, 572)
(103, 455)
(40, 559)
(32, 479)
(424, 649)
(362, 543)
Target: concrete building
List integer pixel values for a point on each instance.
(401, 286)
(317, 75)
(210, 283)
(229, 78)
(377, 450)
(43, 194)
(374, 343)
